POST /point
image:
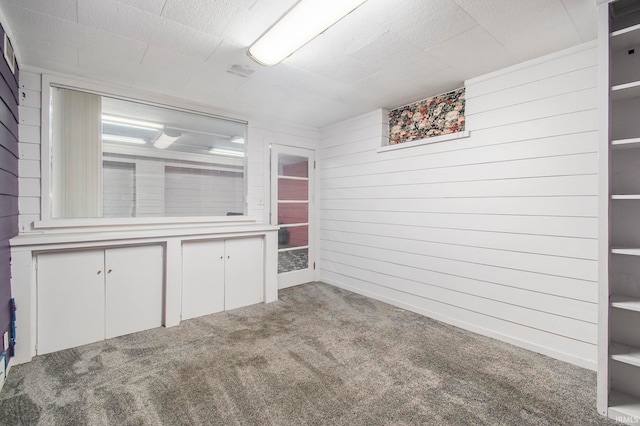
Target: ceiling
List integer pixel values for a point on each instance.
(385, 54)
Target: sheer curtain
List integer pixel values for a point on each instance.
(76, 123)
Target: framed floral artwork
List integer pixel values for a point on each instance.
(435, 116)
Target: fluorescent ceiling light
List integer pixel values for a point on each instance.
(166, 138)
(125, 139)
(229, 152)
(130, 122)
(237, 139)
(303, 23)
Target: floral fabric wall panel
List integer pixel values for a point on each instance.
(430, 117)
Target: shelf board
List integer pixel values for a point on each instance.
(629, 251)
(626, 38)
(625, 197)
(623, 353)
(625, 143)
(625, 91)
(625, 302)
(623, 405)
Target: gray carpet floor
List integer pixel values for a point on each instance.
(318, 356)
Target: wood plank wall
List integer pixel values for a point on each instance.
(30, 99)
(496, 233)
(8, 182)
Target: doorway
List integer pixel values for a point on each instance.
(292, 182)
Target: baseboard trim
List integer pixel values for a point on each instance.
(562, 356)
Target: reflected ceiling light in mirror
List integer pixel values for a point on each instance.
(237, 139)
(229, 152)
(130, 122)
(166, 138)
(124, 139)
(303, 23)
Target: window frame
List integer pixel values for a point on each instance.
(47, 222)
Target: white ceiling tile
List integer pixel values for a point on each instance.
(584, 15)
(506, 19)
(34, 27)
(152, 6)
(228, 54)
(205, 15)
(344, 70)
(63, 9)
(105, 68)
(185, 40)
(474, 53)
(118, 18)
(165, 70)
(439, 22)
(114, 48)
(538, 45)
(213, 81)
(395, 55)
(54, 52)
(244, 25)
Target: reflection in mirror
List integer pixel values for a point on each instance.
(120, 158)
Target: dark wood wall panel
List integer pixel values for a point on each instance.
(8, 182)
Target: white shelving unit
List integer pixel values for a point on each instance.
(619, 239)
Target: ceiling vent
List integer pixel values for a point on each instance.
(240, 70)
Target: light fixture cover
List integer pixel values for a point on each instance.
(237, 139)
(130, 122)
(303, 23)
(125, 139)
(229, 152)
(166, 138)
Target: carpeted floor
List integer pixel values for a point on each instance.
(319, 356)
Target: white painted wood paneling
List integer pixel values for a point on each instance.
(118, 189)
(195, 192)
(29, 145)
(496, 233)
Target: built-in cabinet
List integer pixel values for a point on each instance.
(619, 342)
(220, 275)
(76, 284)
(91, 295)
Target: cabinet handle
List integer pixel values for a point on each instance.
(99, 272)
(109, 271)
(228, 257)
(221, 257)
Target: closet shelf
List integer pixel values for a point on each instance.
(622, 404)
(625, 302)
(626, 38)
(629, 251)
(623, 353)
(625, 91)
(625, 197)
(625, 143)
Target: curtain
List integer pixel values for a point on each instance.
(76, 134)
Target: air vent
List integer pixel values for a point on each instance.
(9, 54)
(240, 70)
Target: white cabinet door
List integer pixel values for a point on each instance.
(70, 297)
(244, 272)
(134, 289)
(202, 278)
